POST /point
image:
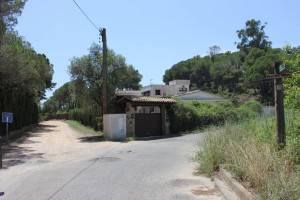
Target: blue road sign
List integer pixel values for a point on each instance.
(7, 117)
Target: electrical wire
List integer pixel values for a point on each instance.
(87, 17)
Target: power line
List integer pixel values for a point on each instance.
(87, 17)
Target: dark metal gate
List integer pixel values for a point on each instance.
(148, 124)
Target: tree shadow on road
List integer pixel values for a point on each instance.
(16, 154)
(92, 139)
(22, 137)
(158, 137)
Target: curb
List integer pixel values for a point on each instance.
(240, 191)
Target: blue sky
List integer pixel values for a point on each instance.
(154, 34)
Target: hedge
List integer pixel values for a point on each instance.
(191, 115)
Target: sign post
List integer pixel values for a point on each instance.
(6, 129)
(0, 152)
(7, 118)
(280, 72)
(279, 104)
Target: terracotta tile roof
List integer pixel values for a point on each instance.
(129, 93)
(146, 99)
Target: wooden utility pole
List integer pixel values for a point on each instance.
(1, 36)
(104, 71)
(1, 23)
(279, 105)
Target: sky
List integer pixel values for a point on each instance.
(152, 35)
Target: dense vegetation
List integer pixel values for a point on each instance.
(248, 148)
(81, 99)
(191, 115)
(24, 74)
(235, 73)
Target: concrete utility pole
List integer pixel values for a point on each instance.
(104, 71)
(279, 105)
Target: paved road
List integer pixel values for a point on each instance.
(79, 169)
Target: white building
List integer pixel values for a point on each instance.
(174, 88)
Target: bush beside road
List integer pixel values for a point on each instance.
(248, 150)
(191, 115)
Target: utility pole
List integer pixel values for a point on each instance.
(104, 71)
(1, 23)
(1, 36)
(279, 105)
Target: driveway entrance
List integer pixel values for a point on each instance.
(148, 124)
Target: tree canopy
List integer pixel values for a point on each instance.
(253, 36)
(233, 73)
(81, 99)
(25, 74)
(9, 11)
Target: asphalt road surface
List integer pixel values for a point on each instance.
(56, 162)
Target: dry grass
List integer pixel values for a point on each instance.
(244, 151)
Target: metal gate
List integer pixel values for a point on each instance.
(148, 124)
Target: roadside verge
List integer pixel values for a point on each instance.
(239, 190)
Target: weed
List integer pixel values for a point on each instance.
(248, 150)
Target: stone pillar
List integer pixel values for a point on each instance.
(130, 117)
(164, 119)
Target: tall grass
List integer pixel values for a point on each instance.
(248, 150)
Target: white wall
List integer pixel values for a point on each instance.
(114, 126)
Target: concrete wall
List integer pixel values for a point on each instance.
(114, 126)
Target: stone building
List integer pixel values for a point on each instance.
(145, 116)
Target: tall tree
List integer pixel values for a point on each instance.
(253, 36)
(25, 75)
(81, 99)
(88, 69)
(213, 51)
(9, 11)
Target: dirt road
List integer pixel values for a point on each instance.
(51, 141)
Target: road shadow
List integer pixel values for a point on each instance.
(15, 153)
(92, 139)
(158, 137)
(22, 136)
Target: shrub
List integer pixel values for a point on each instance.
(191, 115)
(87, 117)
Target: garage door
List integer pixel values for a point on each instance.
(148, 124)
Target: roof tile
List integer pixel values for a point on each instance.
(146, 99)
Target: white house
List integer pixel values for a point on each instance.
(174, 88)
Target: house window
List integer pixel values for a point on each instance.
(147, 93)
(183, 89)
(157, 92)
